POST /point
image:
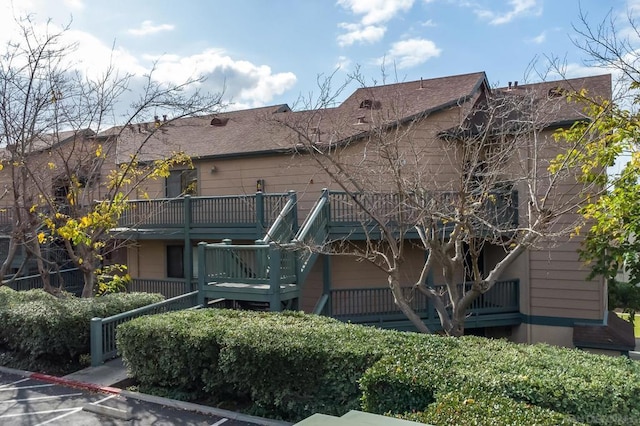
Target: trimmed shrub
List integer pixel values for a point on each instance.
(37, 326)
(290, 364)
(173, 353)
(293, 365)
(455, 408)
(584, 385)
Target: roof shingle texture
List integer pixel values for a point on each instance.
(261, 130)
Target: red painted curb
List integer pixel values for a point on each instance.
(74, 383)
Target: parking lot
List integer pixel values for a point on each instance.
(25, 401)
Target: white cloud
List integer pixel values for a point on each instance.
(429, 23)
(245, 83)
(374, 13)
(359, 33)
(540, 38)
(147, 28)
(74, 4)
(242, 81)
(518, 8)
(411, 52)
(343, 63)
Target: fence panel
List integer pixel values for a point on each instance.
(103, 330)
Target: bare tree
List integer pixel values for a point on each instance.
(489, 180)
(64, 181)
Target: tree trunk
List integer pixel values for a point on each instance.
(11, 253)
(42, 269)
(401, 302)
(89, 282)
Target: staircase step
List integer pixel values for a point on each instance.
(355, 418)
(360, 417)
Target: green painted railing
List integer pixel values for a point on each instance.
(71, 280)
(103, 330)
(373, 304)
(313, 233)
(168, 287)
(250, 264)
(285, 225)
(500, 207)
(233, 210)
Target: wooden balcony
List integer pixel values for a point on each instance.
(237, 216)
(348, 219)
(500, 306)
(255, 273)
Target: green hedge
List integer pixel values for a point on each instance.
(176, 350)
(37, 326)
(291, 365)
(592, 388)
(456, 408)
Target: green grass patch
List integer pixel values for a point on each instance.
(636, 323)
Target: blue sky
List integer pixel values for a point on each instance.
(272, 51)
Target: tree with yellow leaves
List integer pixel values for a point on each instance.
(64, 184)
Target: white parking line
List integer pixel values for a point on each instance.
(40, 398)
(73, 411)
(31, 413)
(106, 398)
(14, 383)
(26, 387)
(219, 422)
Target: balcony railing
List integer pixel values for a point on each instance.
(500, 207)
(220, 211)
(368, 305)
(250, 264)
(71, 281)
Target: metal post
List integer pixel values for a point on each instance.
(326, 282)
(274, 278)
(202, 273)
(96, 342)
(260, 216)
(187, 252)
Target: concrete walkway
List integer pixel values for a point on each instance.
(107, 374)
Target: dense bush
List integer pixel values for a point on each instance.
(589, 387)
(455, 408)
(291, 365)
(37, 326)
(172, 353)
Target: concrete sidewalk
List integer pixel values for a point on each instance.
(108, 374)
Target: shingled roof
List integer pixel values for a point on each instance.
(260, 131)
(257, 131)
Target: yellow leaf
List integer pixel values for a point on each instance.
(99, 151)
(52, 166)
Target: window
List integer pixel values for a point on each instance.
(181, 182)
(175, 261)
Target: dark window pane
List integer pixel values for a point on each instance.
(175, 268)
(181, 182)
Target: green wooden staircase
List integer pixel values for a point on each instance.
(272, 270)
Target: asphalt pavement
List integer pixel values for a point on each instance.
(33, 400)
